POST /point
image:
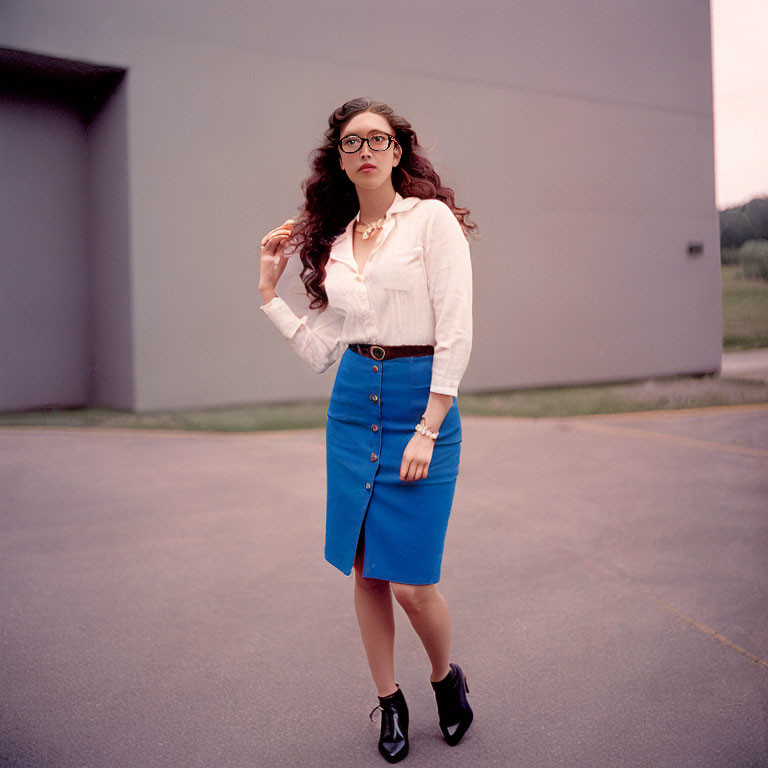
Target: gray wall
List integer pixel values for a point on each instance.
(580, 135)
(64, 251)
(109, 264)
(43, 249)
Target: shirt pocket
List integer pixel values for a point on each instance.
(402, 270)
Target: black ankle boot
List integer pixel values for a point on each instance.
(452, 705)
(393, 741)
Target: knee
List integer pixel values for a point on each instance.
(414, 598)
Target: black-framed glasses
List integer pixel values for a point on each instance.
(378, 142)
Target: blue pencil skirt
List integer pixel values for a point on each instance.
(373, 409)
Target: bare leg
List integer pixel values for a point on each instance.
(373, 607)
(428, 612)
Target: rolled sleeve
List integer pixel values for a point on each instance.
(316, 340)
(449, 281)
(282, 316)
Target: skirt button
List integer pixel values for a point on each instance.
(367, 486)
(375, 368)
(375, 427)
(374, 398)
(374, 457)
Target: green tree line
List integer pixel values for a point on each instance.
(744, 222)
(744, 237)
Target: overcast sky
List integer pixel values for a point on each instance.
(740, 75)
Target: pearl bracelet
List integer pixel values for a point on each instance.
(423, 429)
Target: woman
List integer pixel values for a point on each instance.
(386, 261)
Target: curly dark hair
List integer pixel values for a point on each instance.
(331, 200)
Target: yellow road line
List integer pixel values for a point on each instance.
(662, 437)
(708, 631)
(629, 583)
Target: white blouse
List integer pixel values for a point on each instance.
(415, 288)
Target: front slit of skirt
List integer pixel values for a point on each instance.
(361, 529)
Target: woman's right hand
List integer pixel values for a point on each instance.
(273, 258)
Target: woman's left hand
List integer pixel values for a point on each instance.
(416, 457)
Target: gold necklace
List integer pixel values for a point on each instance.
(369, 229)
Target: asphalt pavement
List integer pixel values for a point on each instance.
(165, 601)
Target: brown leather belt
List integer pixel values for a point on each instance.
(382, 352)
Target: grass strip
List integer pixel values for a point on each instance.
(651, 394)
(745, 310)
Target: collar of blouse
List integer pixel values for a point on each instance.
(399, 204)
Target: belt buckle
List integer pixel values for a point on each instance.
(381, 349)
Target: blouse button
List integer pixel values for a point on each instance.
(375, 427)
(374, 398)
(375, 368)
(374, 457)
(367, 486)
